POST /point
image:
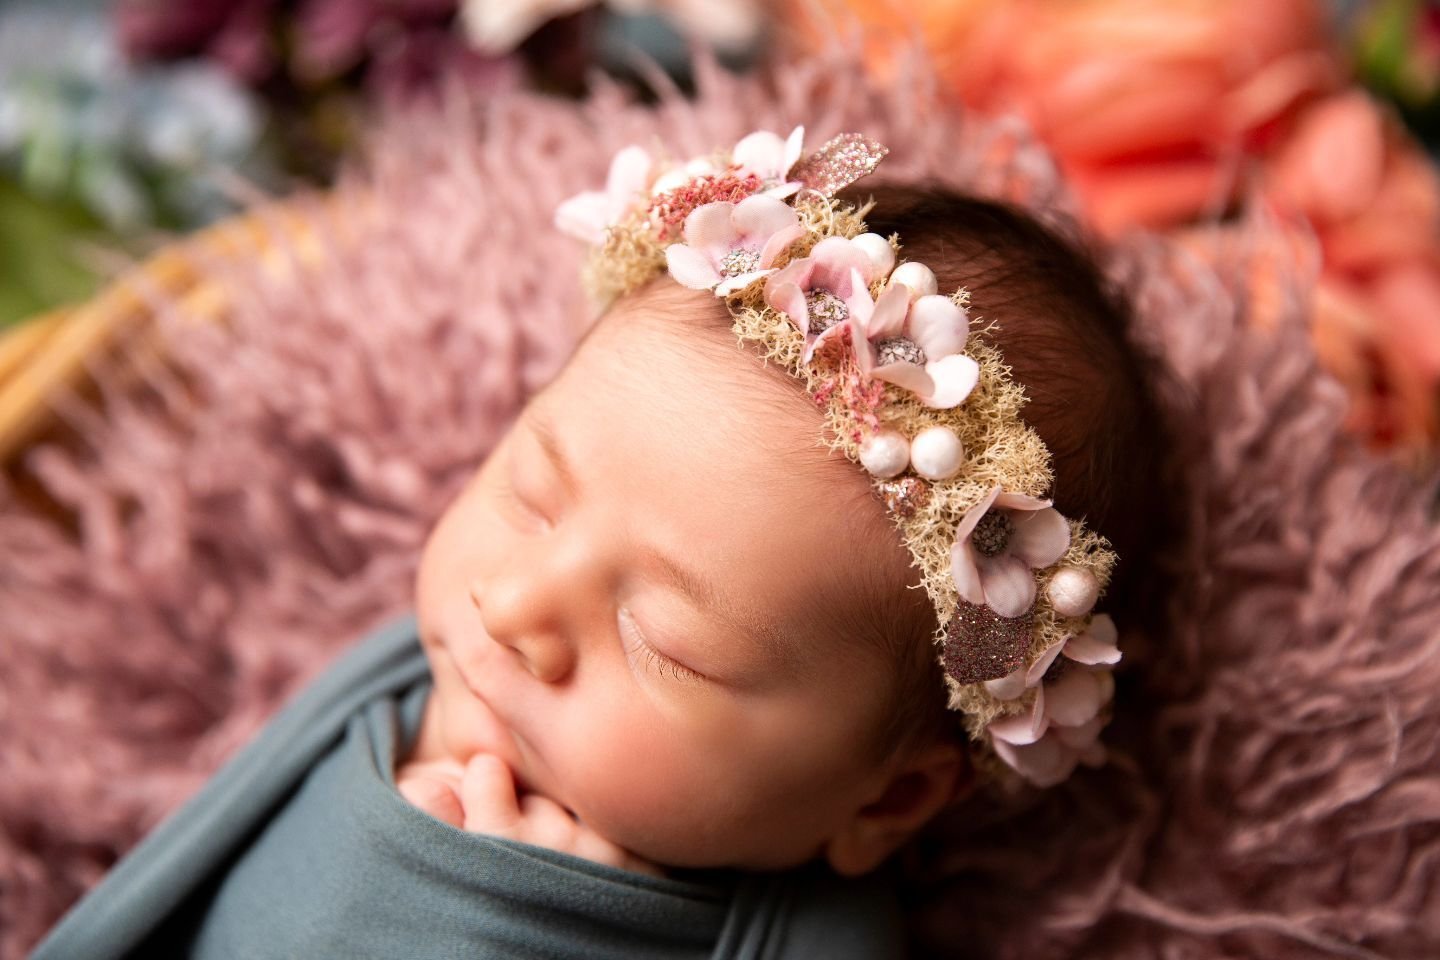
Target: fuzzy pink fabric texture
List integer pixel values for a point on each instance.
(1274, 790)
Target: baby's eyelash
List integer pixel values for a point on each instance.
(635, 642)
(654, 658)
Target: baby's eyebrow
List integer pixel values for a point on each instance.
(700, 590)
(774, 641)
(545, 433)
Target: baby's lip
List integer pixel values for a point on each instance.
(522, 783)
(473, 687)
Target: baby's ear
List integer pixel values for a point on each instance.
(915, 790)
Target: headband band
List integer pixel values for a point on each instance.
(929, 411)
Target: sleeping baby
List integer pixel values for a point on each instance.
(767, 577)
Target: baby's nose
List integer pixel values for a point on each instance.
(516, 618)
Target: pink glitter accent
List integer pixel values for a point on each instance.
(839, 163)
(822, 393)
(672, 207)
(864, 397)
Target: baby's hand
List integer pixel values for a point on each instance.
(481, 798)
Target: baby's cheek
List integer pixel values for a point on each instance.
(662, 793)
(619, 771)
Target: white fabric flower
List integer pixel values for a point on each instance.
(768, 157)
(588, 215)
(498, 26)
(681, 174)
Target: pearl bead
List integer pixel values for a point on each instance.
(878, 249)
(939, 315)
(936, 453)
(885, 453)
(918, 277)
(1073, 591)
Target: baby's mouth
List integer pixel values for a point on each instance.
(515, 755)
(474, 688)
(523, 785)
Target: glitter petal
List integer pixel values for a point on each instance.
(839, 163)
(982, 645)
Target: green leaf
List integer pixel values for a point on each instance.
(39, 266)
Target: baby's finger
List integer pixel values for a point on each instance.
(592, 846)
(434, 796)
(545, 823)
(487, 792)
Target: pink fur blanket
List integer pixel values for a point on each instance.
(1275, 790)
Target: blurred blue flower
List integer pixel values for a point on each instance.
(135, 145)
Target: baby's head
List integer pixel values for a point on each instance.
(670, 608)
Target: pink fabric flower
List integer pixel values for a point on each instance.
(1061, 727)
(916, 346)
(1096, 647)
(768, 157)
(998, 543)
(586, 216)
(819, 293)
(728, 246)
(1051, 757)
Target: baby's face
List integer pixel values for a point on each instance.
(621, 605)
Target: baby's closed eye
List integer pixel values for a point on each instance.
(638, 647)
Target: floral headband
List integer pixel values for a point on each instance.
(930, 412)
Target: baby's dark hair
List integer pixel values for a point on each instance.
(1065, 333)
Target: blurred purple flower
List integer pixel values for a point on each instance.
(234, 33)
(333, 37)
(402, 46)
(404, 65)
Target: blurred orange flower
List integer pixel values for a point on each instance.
(1147, 105)
(1161, 114)
(1372, 199)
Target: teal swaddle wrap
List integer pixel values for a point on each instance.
(301, 846)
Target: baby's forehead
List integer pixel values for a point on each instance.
(686, 339)
(721, 463)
